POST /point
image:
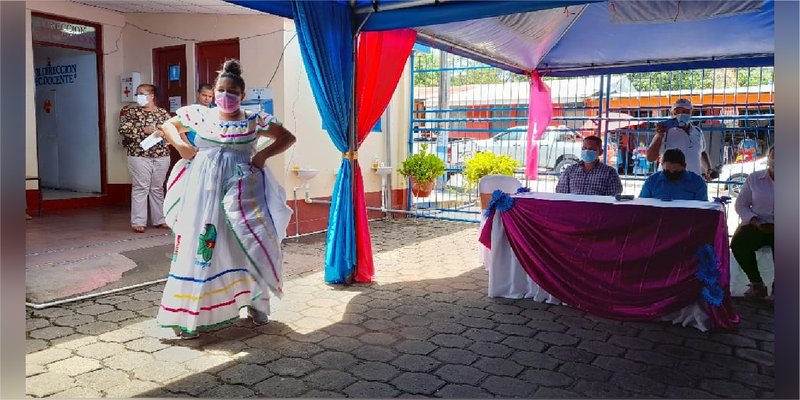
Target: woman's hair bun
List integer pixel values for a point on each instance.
(232, 66)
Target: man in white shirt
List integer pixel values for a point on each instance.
(679, 133)
(756, 206)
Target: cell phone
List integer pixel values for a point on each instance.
(623, 197)
(668, 124)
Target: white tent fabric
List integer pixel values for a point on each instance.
(629, 34)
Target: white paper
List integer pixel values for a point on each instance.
(150, 141)
(174, 103)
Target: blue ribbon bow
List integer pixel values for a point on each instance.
(500, 201)
(722, 200)
(708, 274)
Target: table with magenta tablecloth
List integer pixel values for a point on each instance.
(638, 260)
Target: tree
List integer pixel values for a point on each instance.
(462, 71)
(718, 78)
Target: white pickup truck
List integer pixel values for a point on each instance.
(733, 175)
(559, 147)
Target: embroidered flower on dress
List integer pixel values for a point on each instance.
(208, 241)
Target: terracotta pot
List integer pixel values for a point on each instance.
(421, 189)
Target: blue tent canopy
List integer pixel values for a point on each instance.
(555, 37)
(579, 37)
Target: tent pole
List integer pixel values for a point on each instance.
(605, 129)
(353, 129)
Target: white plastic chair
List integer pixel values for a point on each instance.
(487, 185)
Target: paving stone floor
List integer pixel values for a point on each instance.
(425, 328)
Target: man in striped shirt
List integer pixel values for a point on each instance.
(589, 176)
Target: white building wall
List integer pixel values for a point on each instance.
(128, 40)
(112, 24)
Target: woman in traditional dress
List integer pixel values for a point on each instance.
(227, 212)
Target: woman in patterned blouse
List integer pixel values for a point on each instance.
(148, 168)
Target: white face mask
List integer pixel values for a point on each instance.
(683, 119)
(141, 99)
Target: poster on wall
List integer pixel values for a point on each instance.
(174, 103)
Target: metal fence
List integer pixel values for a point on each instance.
(460, 107)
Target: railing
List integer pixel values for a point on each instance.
(459, 107)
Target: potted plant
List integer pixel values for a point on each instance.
(487, 163)
(423, 168)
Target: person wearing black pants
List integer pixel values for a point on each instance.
(756, 206)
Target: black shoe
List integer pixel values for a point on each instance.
(259, 318)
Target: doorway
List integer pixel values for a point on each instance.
(69, 115)
(211, 56)
(169, 76)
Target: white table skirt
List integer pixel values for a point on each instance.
(507, 279)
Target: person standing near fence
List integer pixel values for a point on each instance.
(148, 167)
(679, 133)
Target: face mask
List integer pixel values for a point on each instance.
(673, 175)
(141, 99)
(683, 119)
(588, 156)
(227, 102)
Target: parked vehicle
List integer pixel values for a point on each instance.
(559, 147)
(733, 175)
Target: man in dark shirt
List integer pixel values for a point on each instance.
(675, 182)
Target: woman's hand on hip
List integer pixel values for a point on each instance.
(186, 151)
(258, 161)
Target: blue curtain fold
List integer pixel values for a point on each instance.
(324, 31)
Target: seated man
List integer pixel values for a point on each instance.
(674, 181)
(756, 206)
(589, 176)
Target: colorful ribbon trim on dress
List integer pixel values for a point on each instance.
(708, 273)
(206, 308)
(188, 278)
(255, 236)
(210, 292)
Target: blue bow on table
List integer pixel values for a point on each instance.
(722, 200)
(500, 201)
(708, 274)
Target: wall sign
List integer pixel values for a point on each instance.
(54, 31)
(174, 103)
(174, 72)
(56, 74)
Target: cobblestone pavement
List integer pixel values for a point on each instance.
(425, 328)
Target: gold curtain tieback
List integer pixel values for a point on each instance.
(353, 155)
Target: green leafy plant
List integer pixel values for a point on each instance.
(424, 167)
(487, 163)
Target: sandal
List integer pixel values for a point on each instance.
(163, 226)
(181, 334)
(757, 291)
(138, 229)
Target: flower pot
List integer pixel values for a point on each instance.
(421, 189)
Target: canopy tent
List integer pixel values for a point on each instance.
(547, 37)
(584, 37)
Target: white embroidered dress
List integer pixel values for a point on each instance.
(228, 219)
